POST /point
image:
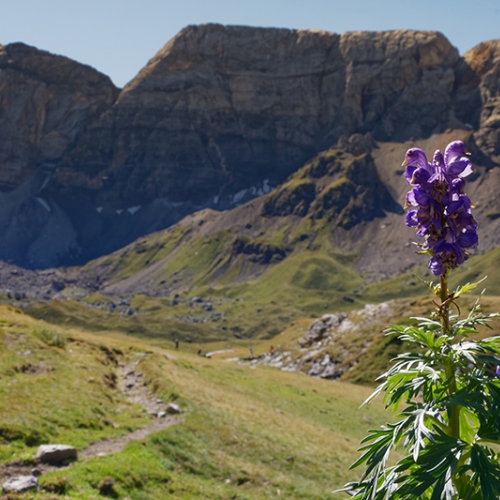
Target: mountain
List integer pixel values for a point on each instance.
(220, 115)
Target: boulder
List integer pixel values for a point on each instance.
(20, 484)
(320, 328)
(55, 453)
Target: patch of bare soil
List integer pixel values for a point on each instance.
(132, 386)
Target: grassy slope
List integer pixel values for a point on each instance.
(262, 266)
(246, 434)
(308, 283)
(57, 384)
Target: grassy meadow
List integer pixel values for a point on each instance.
(246, 433)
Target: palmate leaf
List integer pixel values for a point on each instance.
(492, 344)
(485, 471)
(474, 319)
(407, 367)
(469, 425)
(381, 489)
(418, 435)
(409, 386)
(433, 469)
(424, 337)
(444, 489)
(378, 445)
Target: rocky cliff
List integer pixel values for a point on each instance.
(219, 115)
(220, 109)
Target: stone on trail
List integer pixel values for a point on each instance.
(173, 409)
(20, 484)
(55, 453)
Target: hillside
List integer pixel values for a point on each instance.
(243, 433)
(330, 238)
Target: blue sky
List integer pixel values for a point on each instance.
(118, 37)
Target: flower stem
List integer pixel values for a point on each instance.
(445, 308)
(454, 409)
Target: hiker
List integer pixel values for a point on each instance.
(177, 343)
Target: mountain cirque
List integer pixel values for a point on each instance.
(218, 116)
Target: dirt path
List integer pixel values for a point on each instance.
(132, 387)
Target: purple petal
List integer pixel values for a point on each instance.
(468, 239)
(410, 169)
(438, 160)
(454, 149)
(457, 185)
(459, 167)
(436, 266)
(421, 196)
(411, 218)
(416, 157)
(420, 176)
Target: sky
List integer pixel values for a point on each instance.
(118, 37)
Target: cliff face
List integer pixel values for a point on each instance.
(219, 115)
(483, 62)
(219, 109)
(45, 101)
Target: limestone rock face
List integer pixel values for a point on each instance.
(45, 101)
(484, 71)
(222, 108)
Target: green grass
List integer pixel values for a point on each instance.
(55, 391)
(247, 433)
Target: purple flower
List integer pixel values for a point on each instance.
(446, 256)
(440, 210)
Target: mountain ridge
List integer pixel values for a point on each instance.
(219, 115)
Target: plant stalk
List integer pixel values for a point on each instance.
(454, 410)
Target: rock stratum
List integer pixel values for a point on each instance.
(219, 115)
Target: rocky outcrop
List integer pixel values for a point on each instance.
(336, 185)
(45, 102)
(222, 108)
(483, 75)
(323, 351)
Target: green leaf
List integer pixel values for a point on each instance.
(485, 471)
(469, 425)
(460, 290)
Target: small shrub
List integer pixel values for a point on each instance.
(58, 485)
(49, 337)
(106, 488)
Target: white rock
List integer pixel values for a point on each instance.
(55, 453)
(20, 484)
(172, 409)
